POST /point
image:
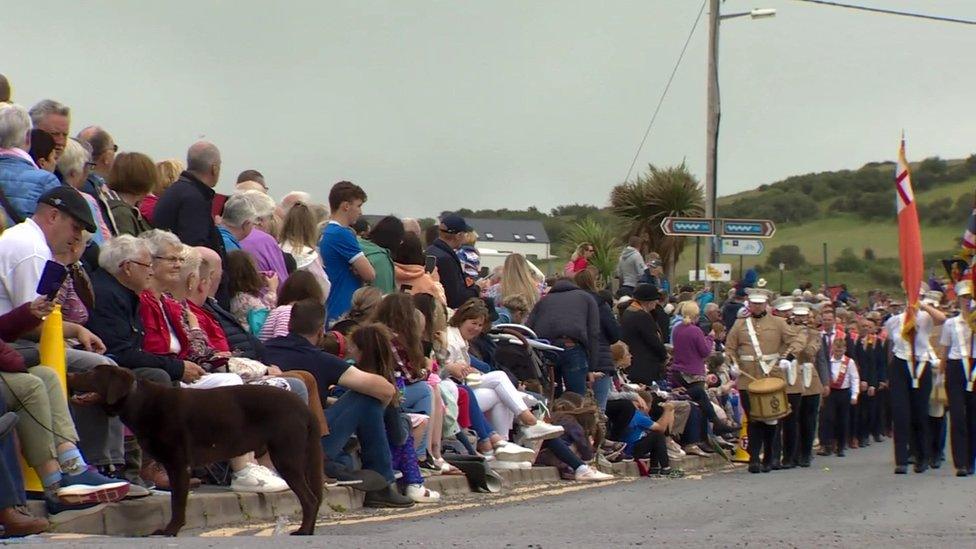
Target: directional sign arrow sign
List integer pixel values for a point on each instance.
(742, 246)
(755, 228)
(688, 226)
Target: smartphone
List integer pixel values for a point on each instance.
(429, 263)
(405, 288)
(51, 279)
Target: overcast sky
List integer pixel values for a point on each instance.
(438, 105)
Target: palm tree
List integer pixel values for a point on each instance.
(605, 240)
(660, 193)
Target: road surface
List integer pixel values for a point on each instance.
(840, 502)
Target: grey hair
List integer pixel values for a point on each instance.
(711, 306)
(46, 107)
(191, 263)
(159, 239)
(263, 204)
(98, 138)
(118, 250)
(238, 210)
(74, 157)
(202, 156)
(295, 197)
(15, 125)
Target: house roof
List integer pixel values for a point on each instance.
(509, 230)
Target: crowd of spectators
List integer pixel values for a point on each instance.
(392, 335)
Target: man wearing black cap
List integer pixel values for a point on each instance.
(452, 229)
(56, 225)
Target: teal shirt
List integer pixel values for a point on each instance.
(379, 258)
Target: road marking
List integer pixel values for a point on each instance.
(517, 494)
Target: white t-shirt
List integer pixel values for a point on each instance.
(950, 338)
(900, 346)
(457, 347)
(23, 253)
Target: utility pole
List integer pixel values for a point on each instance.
(712, 118)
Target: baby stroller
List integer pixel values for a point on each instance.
(524, 357)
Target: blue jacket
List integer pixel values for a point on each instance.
(23, 184)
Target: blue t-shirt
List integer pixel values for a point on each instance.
(339, 248)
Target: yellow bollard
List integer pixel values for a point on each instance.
(741, 449)
(52, 355)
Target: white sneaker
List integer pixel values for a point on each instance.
(592, 475)
(509, 451)
(674, 449)
(258, 479)
(542, 430)
(420, 494)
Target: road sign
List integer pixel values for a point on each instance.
(718, 272)
(755, 228)
(688, 226)
(742, 246)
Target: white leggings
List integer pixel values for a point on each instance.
(500, 401)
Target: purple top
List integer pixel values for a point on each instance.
(266, 253)
(691, 348)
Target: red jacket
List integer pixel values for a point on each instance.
(12, 326)
(157, 336)
(210, 326)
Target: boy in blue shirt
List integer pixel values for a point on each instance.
(344, 260)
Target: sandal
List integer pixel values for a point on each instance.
(421, 494)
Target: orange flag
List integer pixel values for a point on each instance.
(909, 241)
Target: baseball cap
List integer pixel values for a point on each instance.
(454, 224)
(70, 201)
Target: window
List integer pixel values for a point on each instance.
(530, 237)
(489, 236)
(517, 237)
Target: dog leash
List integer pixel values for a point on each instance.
(24, 408)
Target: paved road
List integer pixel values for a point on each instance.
(840, 502)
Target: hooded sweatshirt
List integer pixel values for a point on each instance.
(631, 266)
(420, 281)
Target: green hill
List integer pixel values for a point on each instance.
(852, 209)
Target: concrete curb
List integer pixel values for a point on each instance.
(211, 507)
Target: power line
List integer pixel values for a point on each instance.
(891, 12)
(666, 88)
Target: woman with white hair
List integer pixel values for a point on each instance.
(75, 164)
(259, 243)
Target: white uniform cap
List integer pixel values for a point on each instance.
(757, 295)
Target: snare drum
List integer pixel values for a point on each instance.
(767, 399)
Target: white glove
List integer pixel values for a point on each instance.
(735, 369)
(785, 365)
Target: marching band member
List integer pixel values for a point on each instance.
(957, 349)
(910, 385)
(799, 427)
(762, 345)
(844, 389)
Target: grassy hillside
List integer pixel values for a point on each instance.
(847, 230)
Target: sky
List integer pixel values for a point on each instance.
(438, 105)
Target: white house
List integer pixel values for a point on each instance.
(497, 238)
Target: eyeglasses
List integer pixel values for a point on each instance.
(90, 165)
(170, 259)
(146, 265)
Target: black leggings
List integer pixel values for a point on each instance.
(699, 395)
(654, 447)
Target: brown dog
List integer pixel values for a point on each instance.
(182, 428)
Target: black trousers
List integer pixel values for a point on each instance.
(809, 412)
(962, 411)
(867, 415)
(910, 412)
(654, 447)
(761, 436)
(836, 419)
(791, 430)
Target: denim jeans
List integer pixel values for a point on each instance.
(11, 483)
(601, 390)
(572, 368)
(478, 421)
(418, 399)
(357, 414)
(562, 451)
